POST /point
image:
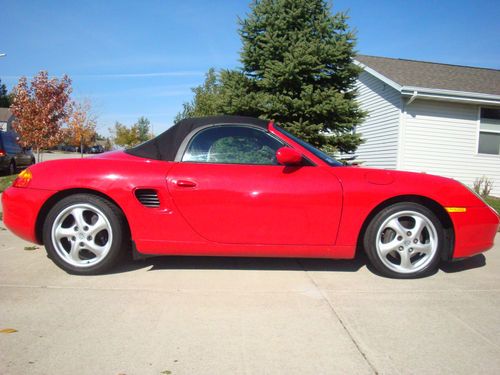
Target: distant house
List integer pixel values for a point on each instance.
(6, 118)
(429, 117)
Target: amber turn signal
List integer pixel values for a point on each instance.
(23, 179)
(456, 209)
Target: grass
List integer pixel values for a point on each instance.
(494, 202)
(6, 181)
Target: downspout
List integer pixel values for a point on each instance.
(412, 98)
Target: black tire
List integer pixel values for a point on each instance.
(421, 252)
(12, 167)
(114, 237)
(33, 161)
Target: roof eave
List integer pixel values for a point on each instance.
(451, 95)
(434, 94)
(376, 74)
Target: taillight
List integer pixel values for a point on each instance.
(23, 179)
(2, 152)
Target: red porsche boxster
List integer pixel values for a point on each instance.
(238, 186)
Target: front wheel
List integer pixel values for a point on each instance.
(404, 241)
(84, 234)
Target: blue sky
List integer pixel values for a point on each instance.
(140, 58)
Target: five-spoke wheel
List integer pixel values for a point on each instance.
(83, 234)
(404, 240)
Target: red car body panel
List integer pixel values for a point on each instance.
(475, 231)
(261, 205)
(246, 210)
(21, 208)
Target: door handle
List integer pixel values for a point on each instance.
(186, 183)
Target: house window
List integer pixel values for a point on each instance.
(489, 131)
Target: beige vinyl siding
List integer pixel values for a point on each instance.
(380, 128)
(442, 138)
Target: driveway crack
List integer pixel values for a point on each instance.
(337, 315)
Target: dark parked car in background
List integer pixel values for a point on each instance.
(97, 149)
(12, 156)
(69, 148)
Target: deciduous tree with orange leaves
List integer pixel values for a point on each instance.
(81, 125)
(41, 107)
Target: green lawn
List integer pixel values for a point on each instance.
(494, 202)
(6, 181)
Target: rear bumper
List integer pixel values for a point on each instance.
(475, 230)
(4, 163)
(20, 210)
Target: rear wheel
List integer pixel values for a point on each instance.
(84, 234)
(12, 167)
(404, 241)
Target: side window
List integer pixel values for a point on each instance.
(10, 143)
(489, 131)
(233, 145)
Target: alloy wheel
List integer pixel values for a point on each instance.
(406, 242)
(82, 235)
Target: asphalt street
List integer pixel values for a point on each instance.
(191, 315)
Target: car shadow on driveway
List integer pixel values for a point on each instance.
(275, 264)
(476, 261)
(242, 263)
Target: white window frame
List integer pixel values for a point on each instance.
(479, 131)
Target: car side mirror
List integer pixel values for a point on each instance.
(288, 156)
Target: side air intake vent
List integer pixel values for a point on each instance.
(148, 197)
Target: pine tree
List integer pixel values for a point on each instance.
(5, 98)
(298, 70)
(143, 129)
(205, 99)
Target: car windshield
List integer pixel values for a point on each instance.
(320, 154)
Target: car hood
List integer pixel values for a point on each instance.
(446, 191)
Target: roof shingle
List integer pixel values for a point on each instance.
(435, 75)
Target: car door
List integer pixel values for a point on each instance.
(230, 189)
(14, 149)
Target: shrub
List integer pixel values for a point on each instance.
(483, 186)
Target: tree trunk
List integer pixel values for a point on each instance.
(81, 147)
(38, 155)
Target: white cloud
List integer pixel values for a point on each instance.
(182, 73)
(174, 73)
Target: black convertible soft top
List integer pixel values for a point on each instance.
(165, 145)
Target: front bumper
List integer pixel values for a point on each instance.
(21, 207)
(475, 230)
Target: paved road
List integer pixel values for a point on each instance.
(53, 155)
(246, 316)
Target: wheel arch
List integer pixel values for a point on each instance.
(427, 202)
(42, 214)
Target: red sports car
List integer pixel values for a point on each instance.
(238, 186)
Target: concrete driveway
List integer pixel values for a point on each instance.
(55, 155)
(176, 315)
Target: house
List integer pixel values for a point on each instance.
(430, 117)
(6, 118)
